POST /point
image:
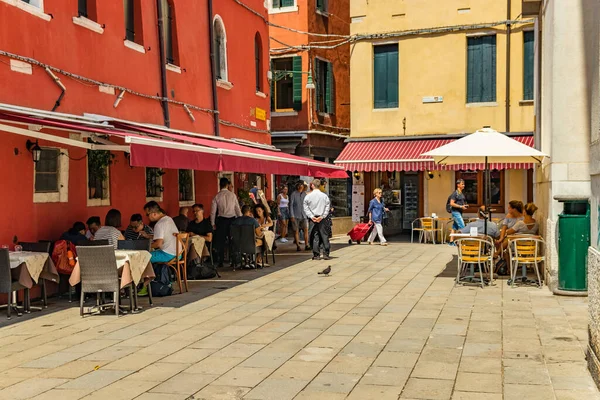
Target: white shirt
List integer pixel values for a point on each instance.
(316, 203)
(226, 204)
(164, 229)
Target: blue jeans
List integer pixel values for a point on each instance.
(159, 256)
(458, 220)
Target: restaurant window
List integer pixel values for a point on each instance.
(186, 187)
(170, 32)
(46, 171)
(154, 186)
(481, 69)
(51, 176)
(474, 189)
(98, 183)
(286, 85)
(528, 63)
(324, 86)
(385, 76)
(133, 21)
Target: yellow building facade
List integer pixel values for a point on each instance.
(435, 70)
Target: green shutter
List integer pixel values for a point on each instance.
(528, 63)
(385, 76)
(276, 3)
(318, 85)
(329, 93)
(320, 5)
(481, 69)
(297, 82)
(272, 86)
(285, 3)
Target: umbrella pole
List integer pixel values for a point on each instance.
(488, 199)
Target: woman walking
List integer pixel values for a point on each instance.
(283, 202)
(376, 211)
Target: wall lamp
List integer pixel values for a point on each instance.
(35, 150)
(430, 175)
(356, 175)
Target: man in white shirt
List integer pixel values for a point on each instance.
(316, 207)
(164, 244)
(225, 208)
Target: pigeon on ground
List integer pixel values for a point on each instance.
(326, 271)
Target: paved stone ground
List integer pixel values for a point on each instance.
(386, 324)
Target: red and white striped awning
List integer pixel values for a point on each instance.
(405, 155)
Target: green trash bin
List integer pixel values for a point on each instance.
(573, 243)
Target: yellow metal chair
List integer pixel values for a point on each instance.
(426, 227)
(473, 251)
(526, 251)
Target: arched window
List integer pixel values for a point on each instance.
(258, 61)
(220, 47)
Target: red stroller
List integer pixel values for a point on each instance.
(359, 232)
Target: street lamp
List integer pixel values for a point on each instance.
(35, 150)
(310, 85)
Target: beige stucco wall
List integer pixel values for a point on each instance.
(434, 65)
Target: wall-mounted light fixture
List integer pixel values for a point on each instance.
(35, 150)
(356, 175)
(430, 175)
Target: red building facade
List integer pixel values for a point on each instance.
(103, 58)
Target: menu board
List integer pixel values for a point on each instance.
(358, 202)
(411, 201)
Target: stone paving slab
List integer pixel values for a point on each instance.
(384, 325)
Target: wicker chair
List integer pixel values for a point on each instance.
(244, 245)
(39, 247)
(179, 263)
(98, 273)
(89, 243)
(9, 286)
(141, 244)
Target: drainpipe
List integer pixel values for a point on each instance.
(62, 87)
(508, 32)
(163, 63)
(213, 73)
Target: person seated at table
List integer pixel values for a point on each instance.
(164, 243)
(263, 218)
(182, 220)
(492, 228)
(137, 229)
(247, 218)
(200, 226)
(110, 230)
(76, 234)
(515, 214)
(93, 224)
(527, 226)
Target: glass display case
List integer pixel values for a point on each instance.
(338, 195)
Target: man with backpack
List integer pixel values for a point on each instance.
(456, 204)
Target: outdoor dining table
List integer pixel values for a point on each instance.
(133, 266)
(29, 267)
(197, 247)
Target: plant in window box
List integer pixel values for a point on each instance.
(153, 188)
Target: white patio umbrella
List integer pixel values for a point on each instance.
(485, 146)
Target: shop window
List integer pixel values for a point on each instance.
(474, 189)
(481, 69)
(338, 194)
(186, 187)
(133, 21)
(528, 63)
(286, 85)
(154, 186)
(324, 86)
(51, 176)
(385, 76)
(98, 182)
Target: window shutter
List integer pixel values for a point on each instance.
(297, 82)
(329, 92)
(481, 69)
(472, 91)
(285, 3)
(320, 5)
(272, 86)
(276, 4)
(489, 69)
(318, 85)
(392, 79)
(385, 76)
(379, 78)
(528, 63)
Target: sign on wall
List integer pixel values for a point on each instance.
(358, 202)
(260, 114)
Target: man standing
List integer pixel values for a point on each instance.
(316, 207)
(224, 209)
(182, 220)
(456, 204)
(164, 244)
(298, 216)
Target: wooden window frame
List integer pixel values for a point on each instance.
(287, 109)
(473, 208)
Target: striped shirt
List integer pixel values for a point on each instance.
(130, 234)
(108, 233)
